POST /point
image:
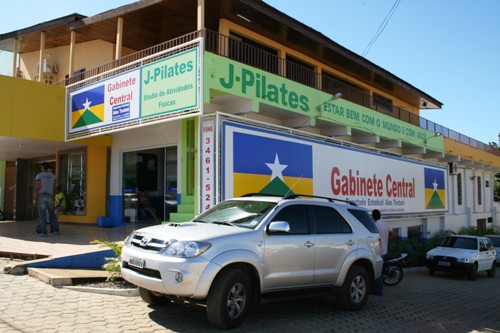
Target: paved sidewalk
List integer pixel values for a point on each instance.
(18, 237)
(70, 249)
(421, 303)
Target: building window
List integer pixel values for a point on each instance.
(479, 191)
(459, 189)
(71, 178)
(382, 104)
(415, 233)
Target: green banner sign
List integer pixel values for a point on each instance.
(170, 84)
(222, 75)
(359, 117)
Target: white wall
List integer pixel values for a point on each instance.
(154, 136)
(458, 216)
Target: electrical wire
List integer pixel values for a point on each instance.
(379, 31)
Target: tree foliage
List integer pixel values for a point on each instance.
(113, 263)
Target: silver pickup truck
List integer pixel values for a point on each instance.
(254, 249)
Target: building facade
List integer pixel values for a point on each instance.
(193, 102)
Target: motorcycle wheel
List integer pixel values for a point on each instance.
(392, 274)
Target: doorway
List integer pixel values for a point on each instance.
(150, 184)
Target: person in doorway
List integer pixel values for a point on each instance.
(145, 204)
(60, 203)
(43, 198)
(385, 232)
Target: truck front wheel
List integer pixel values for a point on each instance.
(228, 299)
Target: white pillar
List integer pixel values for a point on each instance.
(42, 55)
(71, 67)
(201, 15)
(14, 57)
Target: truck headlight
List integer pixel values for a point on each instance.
(187, 249)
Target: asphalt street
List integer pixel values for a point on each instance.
(421, 303)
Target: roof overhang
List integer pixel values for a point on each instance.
(151, 22)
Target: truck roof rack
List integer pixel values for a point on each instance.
(294, 196)
(261, 195)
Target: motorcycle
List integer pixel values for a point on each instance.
(392, 270)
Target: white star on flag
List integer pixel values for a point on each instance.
(276, 168)
(87, 103)
(435, 184)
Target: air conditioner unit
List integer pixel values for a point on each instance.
(453, 168)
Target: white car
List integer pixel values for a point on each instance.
(458, 253)
(495, 239)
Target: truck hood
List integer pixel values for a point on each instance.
(191, 231)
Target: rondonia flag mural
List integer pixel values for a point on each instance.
(256, 160)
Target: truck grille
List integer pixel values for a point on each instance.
(145, 242)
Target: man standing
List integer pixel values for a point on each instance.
(43, 197)
(385, 232)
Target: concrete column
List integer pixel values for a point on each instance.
(119, 38)
(42, 55)
(14, 57)
(72, 43)
(201, 15)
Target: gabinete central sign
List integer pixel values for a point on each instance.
(156, 89)
(256, 160)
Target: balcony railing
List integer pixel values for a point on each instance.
(262, 59)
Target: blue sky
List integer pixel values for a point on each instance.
(450, 49)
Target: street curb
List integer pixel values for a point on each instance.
(133, 292)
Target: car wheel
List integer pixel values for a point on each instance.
(228, 299)
(473, 272)
(491, 272)
(152, 298)
(354, 292)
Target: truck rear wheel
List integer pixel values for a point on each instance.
(354, 293)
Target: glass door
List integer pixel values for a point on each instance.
(150, 184)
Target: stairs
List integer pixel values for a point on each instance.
(185, 211)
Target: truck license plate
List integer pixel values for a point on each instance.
(136, 262)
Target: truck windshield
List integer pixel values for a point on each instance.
(246, 214)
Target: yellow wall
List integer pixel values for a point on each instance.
(457, 148)
(36, 110)
(31, 110)
(95, 187)
(87, 55)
